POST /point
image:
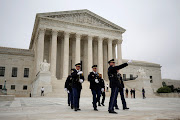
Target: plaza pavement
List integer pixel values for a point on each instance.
(44, 108)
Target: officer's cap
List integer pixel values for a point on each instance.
(94, 66)
(78, 64)
(112, 60)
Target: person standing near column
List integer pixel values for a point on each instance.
(127, 92)
(42, 91)
(114, 83)
(131, 92)
(143, 93)
(134, 93)
(107, 88)
(95, 85)
(77, 80)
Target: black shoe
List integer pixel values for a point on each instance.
(95, 109)
(113, 112)
(68, 104)
(79, 109)
(116, 108)
(125, 108)
(72, 107)
(102, 104)
(75, 109)
(99, 104)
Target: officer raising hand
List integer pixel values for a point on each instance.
(114, 82)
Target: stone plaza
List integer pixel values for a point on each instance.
(57, 109)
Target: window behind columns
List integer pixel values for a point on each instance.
(2, 71)
(26, 72)
(14, 72)
(24, 87)
(12, 87)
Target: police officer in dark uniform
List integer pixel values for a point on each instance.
(95, 85)
(77, 80)
(102, 92)
(121, 91)
(68, 89)
(114, 83)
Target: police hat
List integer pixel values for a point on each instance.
(94, 66)
(78, 64)
(112, 60)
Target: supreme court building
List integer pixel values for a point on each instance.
(64, 39)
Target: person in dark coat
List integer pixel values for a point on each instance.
(102, 92)
(121, 91)
(127, 91)
(114, 83)
(143, 93)
(68, 89)
(134, 93)
(77, 80)
(95, 86)
(131, 92)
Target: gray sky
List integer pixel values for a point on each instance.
(152, 26)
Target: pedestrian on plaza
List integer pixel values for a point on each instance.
(42, 91)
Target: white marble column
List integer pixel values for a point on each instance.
(100, 55)
(53, 52)
(78, 49)
(40, 48)
(66, 55)
(119, 53)
(90, 60)
(109, 49)
(114, 50)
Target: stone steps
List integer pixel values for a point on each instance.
(58, 90)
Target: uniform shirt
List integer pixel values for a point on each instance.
(42, 89)
(112, 74)
(91, 78)
(68, 83)
(75, 79)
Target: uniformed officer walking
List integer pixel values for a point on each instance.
(95, 85)
(68, 89)
(121, 91)
(114, 83)
(77, 80)
(102, 92)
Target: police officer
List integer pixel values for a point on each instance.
(102, 92)
(95, 85)
(77, 80)
(114, 82)
(121, 91)
(68, 89)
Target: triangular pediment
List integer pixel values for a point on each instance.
(84, 17)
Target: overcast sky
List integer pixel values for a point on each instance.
(152, 26)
